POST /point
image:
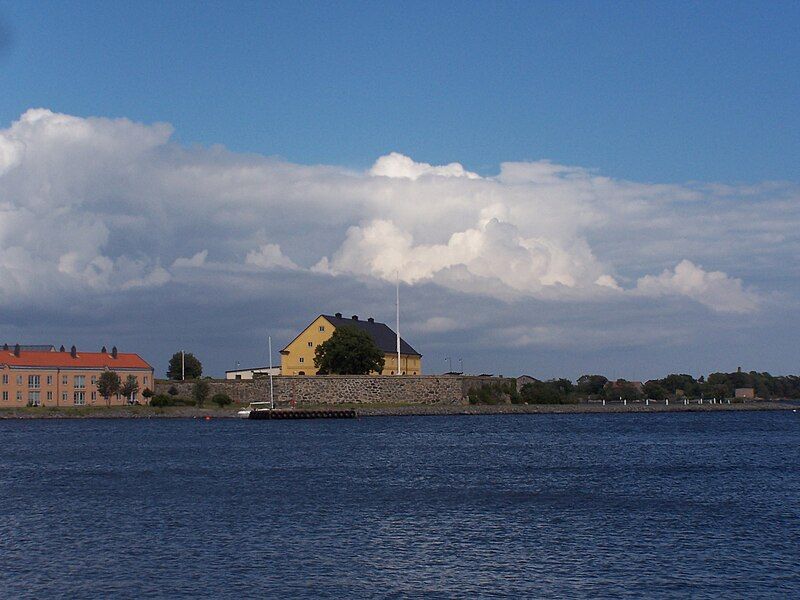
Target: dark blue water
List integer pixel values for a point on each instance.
(676, 505)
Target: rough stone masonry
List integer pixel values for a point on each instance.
(341, 389)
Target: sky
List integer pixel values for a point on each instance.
(564, 188)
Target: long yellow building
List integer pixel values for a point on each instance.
(297, 358)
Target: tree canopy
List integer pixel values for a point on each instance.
(108, 384)
(349, 351)
(193, 368)
(130, 387)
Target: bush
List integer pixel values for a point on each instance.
(200, 391)
(161, 400)
(172, 391)
(221, 399)
(165, 400)
(494, 393)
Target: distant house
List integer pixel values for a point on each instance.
(297, 358)
(525, 379)
(248, 373)
(747, 393)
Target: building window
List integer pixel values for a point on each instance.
(144, 380)
(302, 359)
(94, 379)
(19, 379)
(49, 380)
(79, 398)
(238, 377)
(301, 373)
(34, 399)
(34, 382)
(5, 378)
(19, 396)
(310, 344)
(5, 396)
(94, 396)
(133, 399)
(64, 396)
(80, 381)
(322, 327)
(49, 395)
(64, 380)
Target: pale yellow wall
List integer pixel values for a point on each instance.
(304, 345)
(57, 388)
(298, 356)
(409, 365)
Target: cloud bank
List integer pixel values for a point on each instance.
(97, 206)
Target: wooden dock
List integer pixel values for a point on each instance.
(294, 413)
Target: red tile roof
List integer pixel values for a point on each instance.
(83, 360)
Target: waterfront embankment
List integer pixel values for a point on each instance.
(385, 410)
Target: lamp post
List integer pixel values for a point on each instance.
(449, 360)
(461, 365)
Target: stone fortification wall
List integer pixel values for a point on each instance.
(341, 389)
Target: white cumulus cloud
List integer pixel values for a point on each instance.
(713, 289)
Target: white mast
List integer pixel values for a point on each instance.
(183, 366)
(397, 324)
(271, 396)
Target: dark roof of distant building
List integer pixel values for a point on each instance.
(34, 347)
(383, 335)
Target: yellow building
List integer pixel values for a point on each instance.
(298, 357)
(42, 376)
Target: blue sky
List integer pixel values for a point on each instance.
(567, 187)
(667, 92)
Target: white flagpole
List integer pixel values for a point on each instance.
(183, 367)
(271, 396)
(397, 324)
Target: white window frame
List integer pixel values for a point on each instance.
(79, 398)
(34, 382)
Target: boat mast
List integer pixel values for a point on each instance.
(397, 324)
(271, 396)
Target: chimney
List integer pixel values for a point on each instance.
(73, 352)
(338, 315)
(62, 348)
(355, 317)
(16, 350)
(103, 350)
(371, 320)
(114, 352)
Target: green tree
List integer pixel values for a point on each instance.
(193, 368)
(200, 391)
(349, 351)
(221, 399)
(108, 384)
(654, 390)
(129, 388)
(591, 385)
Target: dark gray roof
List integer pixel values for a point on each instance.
(381, 333)
(34, 347)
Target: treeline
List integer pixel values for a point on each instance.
(598, 387)
(716, 385)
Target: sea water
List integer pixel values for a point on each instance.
(575, 506)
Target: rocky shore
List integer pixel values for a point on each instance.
(384, 410)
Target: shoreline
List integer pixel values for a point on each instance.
(385, 410)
